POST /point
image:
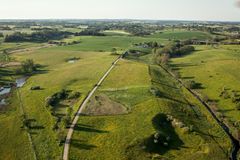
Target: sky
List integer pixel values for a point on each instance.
(215, 10)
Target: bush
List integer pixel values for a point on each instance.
(28, 66)
(238, 106)
(35, 88)
(155, 92)
(191, 84)
(160, 138)
(74, 95)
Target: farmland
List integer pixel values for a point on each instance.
(214, 73)
(139, 111)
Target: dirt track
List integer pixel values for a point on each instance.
(75, 120)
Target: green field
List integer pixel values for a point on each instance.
(182, 35)
(57, 74)
(120, 137)
(115, 33)
(130, 84)
(214, 69)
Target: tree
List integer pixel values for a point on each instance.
(28, 66)
(165, 59)
(114, 51)
(238, 106)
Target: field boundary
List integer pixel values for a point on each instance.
(81, 107)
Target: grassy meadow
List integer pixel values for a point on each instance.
(181, 35)
(214, 69)
(125, 136)
(56, 74)
(121, 136)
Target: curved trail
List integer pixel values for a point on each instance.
(75, 120)
(235, 143)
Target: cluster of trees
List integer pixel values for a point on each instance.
(148, 45)
(62, 95)
(162, 55)
(43, 36)
(62, 122)
(234, 97)
(28, 67)
(177, 49)
(90, 32)
(6, 28)
(1, 35)
(61, 43)
(42, 29)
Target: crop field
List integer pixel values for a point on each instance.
(214, 73)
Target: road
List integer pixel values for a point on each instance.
(75, 120)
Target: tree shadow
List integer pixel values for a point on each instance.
(198, 85)
(162, 83)
(164, 127)
(212, 137)
(181, 65)
(87, 128)
(32, 124)
(80, 144)
(190, 77)
(169, 97)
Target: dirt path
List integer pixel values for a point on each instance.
(235, 142)
(23, 114)
(75, 120)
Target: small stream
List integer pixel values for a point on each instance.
(7, 89)
(20, 82)
(3, 102)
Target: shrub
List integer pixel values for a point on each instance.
(28, 66)
(160, 138)
(49, 101)
(35, 88)
(74, 95)
(191, 84)
(238, 106)
(156, 92)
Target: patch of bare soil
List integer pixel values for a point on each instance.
(102, 105)
(10, 64)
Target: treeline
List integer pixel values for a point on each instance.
(90, 32)
(162, 55)
(176, 49)
(43, 36)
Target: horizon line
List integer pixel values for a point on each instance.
(122, 19)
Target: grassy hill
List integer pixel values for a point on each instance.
(128, 136)
(215, 69)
